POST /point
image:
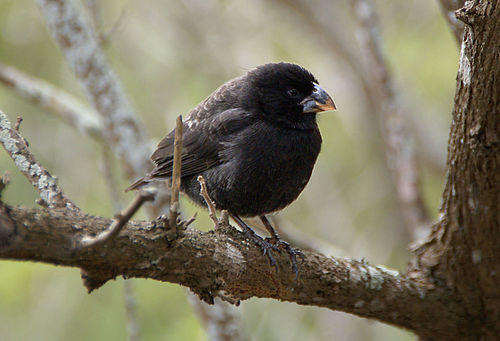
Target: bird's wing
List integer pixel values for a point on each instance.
(202, 143)
(208, 125)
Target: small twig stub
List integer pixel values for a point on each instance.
(210, 204)
(176, 174)
(121, 219)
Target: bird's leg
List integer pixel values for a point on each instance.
(264, 244)
(276, 240)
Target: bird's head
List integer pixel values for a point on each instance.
(288, 93)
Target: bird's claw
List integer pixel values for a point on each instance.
(292, 252)
(265, 246)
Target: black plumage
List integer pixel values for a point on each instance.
(254, 140)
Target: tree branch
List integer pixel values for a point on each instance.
(53, 100)
(39, 177)
(80, 46)
(223, 261)
(398, 145)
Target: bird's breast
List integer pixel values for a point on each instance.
(264, 169)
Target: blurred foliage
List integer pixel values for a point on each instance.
(172, 54)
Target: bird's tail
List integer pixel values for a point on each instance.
(138, 184)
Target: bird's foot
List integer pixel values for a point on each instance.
(266, 247)
(292, 252)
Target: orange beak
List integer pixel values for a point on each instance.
(318, 101)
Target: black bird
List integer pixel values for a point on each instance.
(255, 141)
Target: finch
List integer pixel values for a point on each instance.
(255, 141)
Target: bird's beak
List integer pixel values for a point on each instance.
(318, 101)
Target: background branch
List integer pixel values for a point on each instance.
(39, 177)
(398, 145)
(80, 45)
(53, 100)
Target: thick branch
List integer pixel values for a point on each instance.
(223, 261)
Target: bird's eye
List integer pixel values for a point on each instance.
(293, 93)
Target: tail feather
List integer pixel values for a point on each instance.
(138, 184)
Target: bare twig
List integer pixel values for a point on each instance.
(210, 204)
(52, 100)
(78, 42)
(448, 8)
(398, 144)
(176, 174)
(24, 160)
(120, 220)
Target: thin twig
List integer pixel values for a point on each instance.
(176, 174)
(210, 204)
(120, 219)
(52, 99)
(398, 144)
(25, 161)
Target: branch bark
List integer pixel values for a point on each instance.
(223, 261)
